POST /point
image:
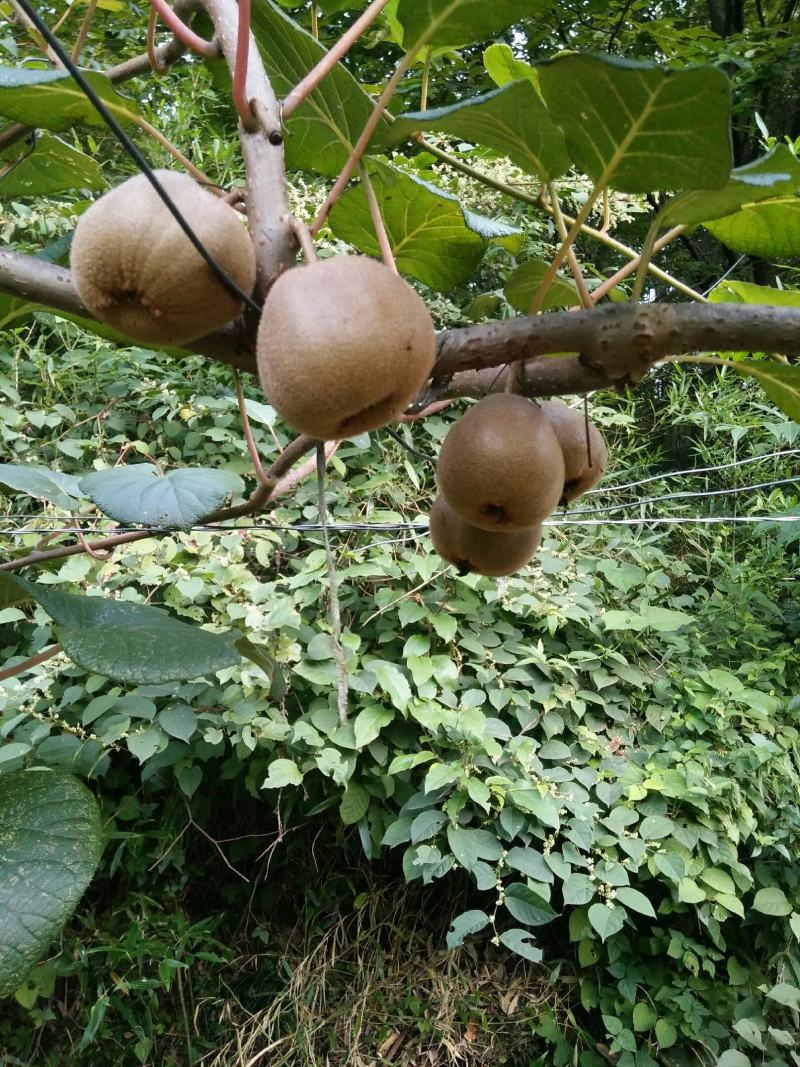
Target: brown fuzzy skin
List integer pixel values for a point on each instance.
(476, 551)
(570, 426)
(344, 345)
(500, 466)
(136, 270)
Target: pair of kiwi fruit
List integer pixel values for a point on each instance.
(503, 468)
(343, 344)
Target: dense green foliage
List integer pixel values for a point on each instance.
(561, 823)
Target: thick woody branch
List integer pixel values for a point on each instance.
(268, 213)
(616, 343)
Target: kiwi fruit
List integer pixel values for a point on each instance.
(344, 345)
(136, 270)
(584, 465)
(476, 551)
(500, 466)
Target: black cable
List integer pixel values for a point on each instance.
(404, 444)
(137, 156)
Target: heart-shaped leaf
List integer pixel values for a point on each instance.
(639, 128)
(50, 845)
(177, 500)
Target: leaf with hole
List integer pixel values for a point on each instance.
(519, 941)
(469, 922)
(639, 128)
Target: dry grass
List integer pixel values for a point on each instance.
(372, 991)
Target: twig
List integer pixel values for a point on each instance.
(405, 596)
(334, 613)
(561, 254)
(574, 266)
(384, 243)
(184, 33)
(215, 843)
(309, 83)
(165, 142)
(34, 661)
(426, 75)
(93, 552)
(83, 32)
(152, 54)
(629, 268)
(248, 430)
(361, 144)
(305, 240)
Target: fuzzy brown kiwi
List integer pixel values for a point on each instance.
(343, 346)
(500, 466)
(136, 270)
(584, 464)
(476, 551)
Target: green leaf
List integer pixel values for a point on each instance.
(468, 846)
(578, 889)
(644, 1017)
(454, 22)
(52, 100)
(788, 995)
(770, 229)
(428, 230)
(635, 900)
(503, 67)
(719, 880)
(750, 1032)
(282, 772)
(733, 1058)
(639, 128)
(774, 174)
(532, 801)
(527, 906)
(368, 724)
(689, 892)
(655, 827)
(733, 292)
(50, 845)
(519, 941)
(512, 120)
(606, 921)
(529, 862)
(392, 681)
(468, 922)
(398, 832)
(144, 744)
(52, 166)
(771, 901)
(522, 283)
(666, 1034)
(41, 483)
(780, 382)
(131, 643)
(354, 805)
(141, 494)
(178, 720)
(326, 126)
(426, 825)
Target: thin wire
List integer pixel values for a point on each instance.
(136, 155)
(688, 494)
(694, 470)
(312, 527)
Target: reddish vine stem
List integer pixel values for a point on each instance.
(378, 223)
(240, 99)
(248, 430)
(309, 83)
(34, 661)
(306, 241)
(184, 33)
(93, 552)
(157, 67)
(361, 144)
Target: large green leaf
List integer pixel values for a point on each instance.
(770, 229)
(503, 67)
(733, 292)
(775, 174)
(131, 643)
(52, 166)
(779, 381)
(512, 120)
(50, 845)
(41, 483)
(525, 280)
(456, 22)
(52, 100)
(433, 239)
(323, 130)
(140, 494)
(639, 128)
